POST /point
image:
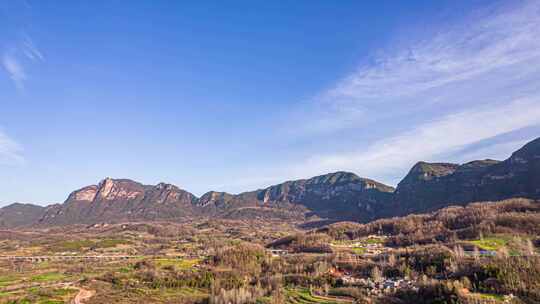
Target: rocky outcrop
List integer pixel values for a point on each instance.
(340, 195)
(432, 186)
(215, 199)
(121, 200)
(335, 195)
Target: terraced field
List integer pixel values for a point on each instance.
(303, 296)
(181, 264)
(40, 295)
(491, 243)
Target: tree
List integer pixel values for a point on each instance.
(503, 252)
(459, 252)
(391, 260)
(466, 282)
(476, 253)
(529, 247)
(376, 274)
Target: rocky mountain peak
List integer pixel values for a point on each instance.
(334, 178)
(105, 187)
(111, 189)
(121, 200)
(164, 186)
(214, 198)
(86, 194)
(338, 195)
(167, 188)
(424, 171)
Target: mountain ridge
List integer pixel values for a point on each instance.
(339, 195)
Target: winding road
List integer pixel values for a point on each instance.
(83, 295)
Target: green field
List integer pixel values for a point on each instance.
(179, 264)
(7, 280)
(48, 277)
(488, 296)
(40, 295)
(359, 250)
(490, 243)
(303, 296)
(374, 241)
(183, 292)
(80, 245)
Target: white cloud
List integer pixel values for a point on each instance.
(499, 151)
(30, 50)
(458, 53)
(429, 140)
(17, 49)
(471, 81)
(487, 46)
(14, 69)
(451, 96)
(10, 151)
(13, 58)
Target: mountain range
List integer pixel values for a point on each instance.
(334, 196)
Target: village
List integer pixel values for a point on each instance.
(375, 284)
(353, 252)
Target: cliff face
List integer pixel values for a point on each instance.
(333, 195)
(519, 175)
(431, 186)
(121, 199)
(425, 185)
(340, 195)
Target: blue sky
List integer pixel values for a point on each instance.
(238, 95)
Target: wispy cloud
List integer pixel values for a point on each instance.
(10, 151)
(17, 49)
(471, 81)
(481, 44)
(430, 140)
(487, 50)
(14, 69)
(29, 49)
(20, 53)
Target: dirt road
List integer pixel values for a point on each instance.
(83, 295)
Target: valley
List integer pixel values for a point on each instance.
(270, 152)
(454, 253)
(447, 234)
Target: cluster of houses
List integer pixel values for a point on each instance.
(379, 287)
(374, 287)
(374, 249)
(370, 246)
(277, 252)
